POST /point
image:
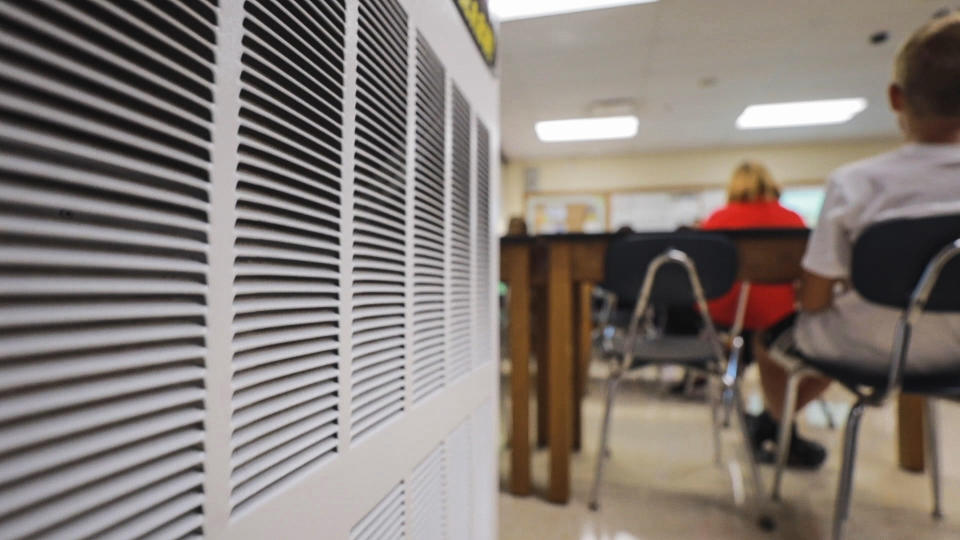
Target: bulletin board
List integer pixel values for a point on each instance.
(566, 213)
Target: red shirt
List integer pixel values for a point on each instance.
(767, 304)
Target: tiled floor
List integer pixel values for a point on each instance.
(661, 482)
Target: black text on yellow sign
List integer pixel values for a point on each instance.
(477, 17)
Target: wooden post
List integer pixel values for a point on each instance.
(543, 366)
(910, 440)
(560, 357)
(581, 366)
(517, 266)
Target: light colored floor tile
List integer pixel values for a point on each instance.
(661, 482)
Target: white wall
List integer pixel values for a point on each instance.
(216, 300)
(790, 164)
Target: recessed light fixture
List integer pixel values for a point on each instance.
(507, 10)
(587, 129)
(801, 113)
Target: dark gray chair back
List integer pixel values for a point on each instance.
(890, 257)
(628, 257)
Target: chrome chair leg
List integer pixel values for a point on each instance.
(732, 374)
(765, 520)
(715, 388)
(933, 454)
(612, 384)
(845, 487)
(786, 430)
(827, 413)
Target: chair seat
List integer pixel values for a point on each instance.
(673, 350)
(943, 382)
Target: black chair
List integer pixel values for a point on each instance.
(909, 264)
(653, 273)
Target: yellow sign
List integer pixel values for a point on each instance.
(477, 17)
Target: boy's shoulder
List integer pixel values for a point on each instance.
(870, 168)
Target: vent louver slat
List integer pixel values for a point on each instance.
(386, 521)
(459, 355)
(428, 222)
(483, 350)
(105, 112)
(427, 515)
(379, 220)
(286, 287)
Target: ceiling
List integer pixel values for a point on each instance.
(658, 55)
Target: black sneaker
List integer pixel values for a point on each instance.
(762, 429)
(804, 453)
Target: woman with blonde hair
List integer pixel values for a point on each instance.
(753, 203)
(752, 182)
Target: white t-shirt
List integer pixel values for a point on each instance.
(916, 180)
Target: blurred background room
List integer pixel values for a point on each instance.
(622, 116)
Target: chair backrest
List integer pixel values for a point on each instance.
(890, 257)
(628, 258)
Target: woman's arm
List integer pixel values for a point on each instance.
(815, 292)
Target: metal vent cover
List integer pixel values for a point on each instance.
(459, 353)
(379, 219)
(198, 291)
(484, 351)
(385, 521)
(105, 135)
(427, 493)
(287, 262)
(429, 253)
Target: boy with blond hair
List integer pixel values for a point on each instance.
(919, 179)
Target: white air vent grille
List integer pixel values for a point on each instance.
(105, 114)
(386, 521)
(428, 223)
(460, 317)
(427, 520)
(287, 277)
(459, 481)
(379, 218)
(482, 279)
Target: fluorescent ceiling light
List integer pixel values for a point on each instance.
(587, 129)
(506, 10)
(801, 113)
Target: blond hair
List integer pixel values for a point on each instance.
(752, 182)
(927, 68)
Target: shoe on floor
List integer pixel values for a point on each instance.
(804, 453)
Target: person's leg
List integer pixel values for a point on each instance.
(765, 427)
(773, 379)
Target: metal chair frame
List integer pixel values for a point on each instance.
(797, 370)
(718, 369)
